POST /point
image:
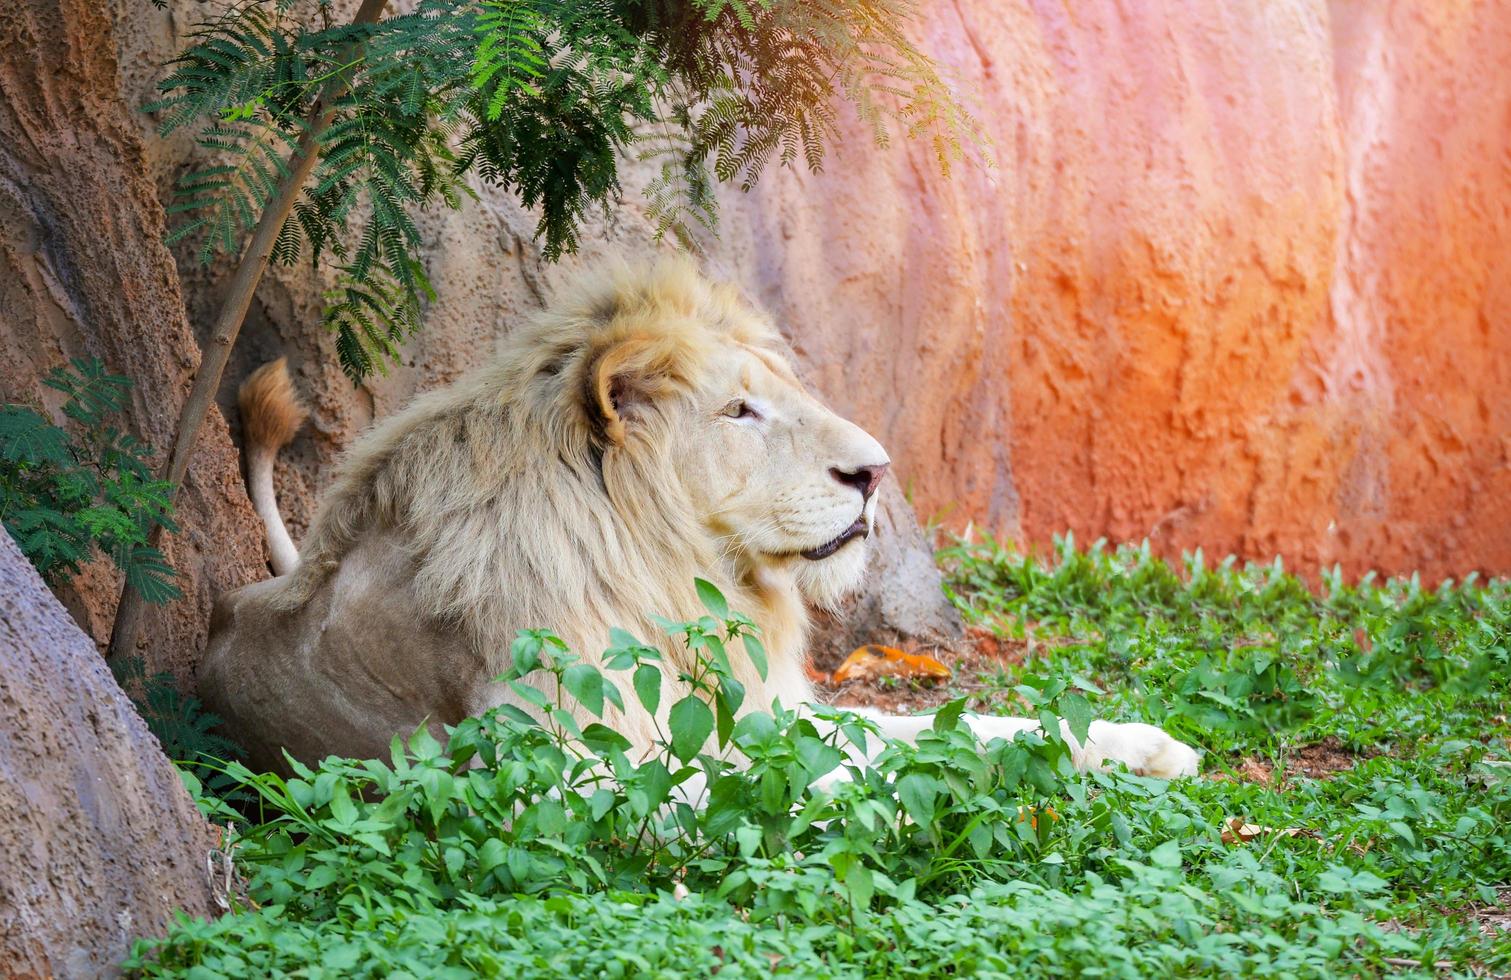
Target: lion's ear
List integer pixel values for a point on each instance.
(624, 380)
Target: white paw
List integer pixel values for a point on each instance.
(1174, 760)
(1146, 750)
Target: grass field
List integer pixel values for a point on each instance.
(1350, 820)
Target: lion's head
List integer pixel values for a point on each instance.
(687, 392)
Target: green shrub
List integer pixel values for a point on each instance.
(64, 494)
(525, 846)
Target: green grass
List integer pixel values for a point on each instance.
(946, 859)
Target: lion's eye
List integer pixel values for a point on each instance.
(740, 409)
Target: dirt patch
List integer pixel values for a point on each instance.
(1322, 759)
(1248, 770)
(1492, 919)
(974, 666)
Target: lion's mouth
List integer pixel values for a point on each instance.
(856, 530)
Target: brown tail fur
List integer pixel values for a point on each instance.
(271, 414)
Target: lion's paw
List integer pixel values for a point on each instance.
(1148, 751)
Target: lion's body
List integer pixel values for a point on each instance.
(645, 431)
(482, 509)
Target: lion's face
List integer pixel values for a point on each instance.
(692, 397)
(778, 479)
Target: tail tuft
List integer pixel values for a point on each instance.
(271, 412)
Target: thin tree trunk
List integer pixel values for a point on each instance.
(233, 312)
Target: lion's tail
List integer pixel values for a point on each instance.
(271, 413)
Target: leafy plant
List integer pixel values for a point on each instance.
(62, 494)
(524, 844)
(521, 802)
(539, 98)
(187, 733)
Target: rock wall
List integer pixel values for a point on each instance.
(1238, 279)
(83, 273)
(99, 842)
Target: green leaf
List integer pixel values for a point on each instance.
(948, 715)
(861, 885)
(756, 652)
(691, 723)
(585, 683)
(518, 714)
(1076, 711)
(531, 694)
(1166, 855)
(524, 654)
(713, 600)
(919, 793)
(323, 875)
(603, 740)
(341, 806)
(26, 437)
(550, 818)
(818, 757)
(422, 745)
(566, 722)
(647, 680)
(490, 855)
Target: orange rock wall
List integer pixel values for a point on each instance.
(1240, 279)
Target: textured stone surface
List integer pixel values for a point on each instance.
(1241, 280)
(1238, 280)
(83, 273)
(99, 842)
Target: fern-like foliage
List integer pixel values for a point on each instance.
(540, 97)
(188, 734)
(62, 495)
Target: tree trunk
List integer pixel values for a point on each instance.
(99, 842)
(83, 272)
(249, 272)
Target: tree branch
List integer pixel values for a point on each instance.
(233, 312)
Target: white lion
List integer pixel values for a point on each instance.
(646, 430)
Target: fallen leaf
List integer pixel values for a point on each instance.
(872, 661)
(817, 676)
(1239, 831)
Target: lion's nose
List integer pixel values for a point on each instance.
(863, 478)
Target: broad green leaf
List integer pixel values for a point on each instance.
(647, 680)
(341, 806)
(585, 683)
(713, 600)
(919, 793)
(948, 716)
(1166, 855)
(1076, 711)
(756, 652)
(691, 723)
